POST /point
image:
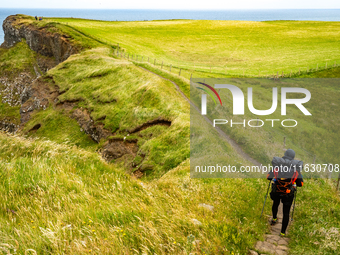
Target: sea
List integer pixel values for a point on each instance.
(141, 15)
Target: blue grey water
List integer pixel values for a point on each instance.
(132, 15)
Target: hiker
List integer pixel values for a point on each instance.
(40, 18)
(36, 18)
(286, 175)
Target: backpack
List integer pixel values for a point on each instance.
(285, 173)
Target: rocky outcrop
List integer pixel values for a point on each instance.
(40, 40)
(25, 89)
(38, 96)
(8, 126)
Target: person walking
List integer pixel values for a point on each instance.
(36, 18)
(286, 176)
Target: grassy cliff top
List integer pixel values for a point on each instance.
(231, 47)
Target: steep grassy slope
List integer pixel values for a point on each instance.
(124, 97)
(227, 46)
(58, 199)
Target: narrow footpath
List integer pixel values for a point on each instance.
(273, 244)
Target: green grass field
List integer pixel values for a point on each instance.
(58, 196)
(229, 47)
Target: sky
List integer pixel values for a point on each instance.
(173, 4)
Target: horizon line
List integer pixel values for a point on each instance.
(159, 9)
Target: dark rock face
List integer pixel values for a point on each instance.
(38, 39)
(8, 127)
(39, 96)
(87, 124)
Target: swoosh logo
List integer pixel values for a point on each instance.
(212, 89)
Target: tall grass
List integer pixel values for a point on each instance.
(58, 199)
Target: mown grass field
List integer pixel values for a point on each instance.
(231, 47)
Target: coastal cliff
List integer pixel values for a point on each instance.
(39, 39)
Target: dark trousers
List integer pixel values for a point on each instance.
(287, 203)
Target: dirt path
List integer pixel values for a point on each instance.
(273, 244)
(222, 134)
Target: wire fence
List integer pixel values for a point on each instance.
(190, 71)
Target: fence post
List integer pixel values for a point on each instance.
(117, 49)
(190, 76)
(329, 172)
(142, 58)
(282, 74)
(314, 159)
(154, 62)
(137, 58)
(180, 72)
(284, 142)
(170, 68)
(337, 186)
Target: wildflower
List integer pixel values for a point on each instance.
(93, 230)
(33, 227)
(32, 221)
(175, 242)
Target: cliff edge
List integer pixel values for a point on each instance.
(39, 39)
